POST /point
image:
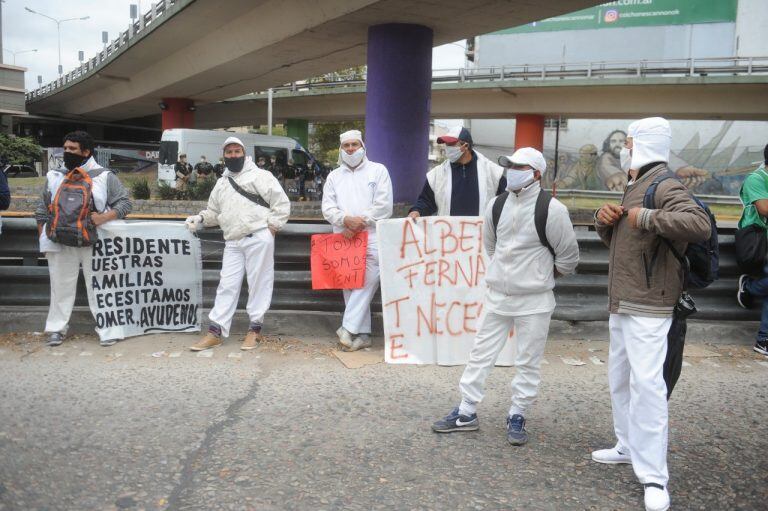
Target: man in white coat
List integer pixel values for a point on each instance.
(250, 206)
(355, 196)
(110, 202)
(463, 184)
(520, 280)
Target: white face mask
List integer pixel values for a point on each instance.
(519, 179)
(625, 157)
(453, 152)
(354, 159)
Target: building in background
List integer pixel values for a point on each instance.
(712, 156)
(12, 95)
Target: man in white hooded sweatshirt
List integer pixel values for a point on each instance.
(645, 282)
(520, 280)
(355, 196)
(250, 206)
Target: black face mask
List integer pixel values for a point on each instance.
(235, 164)
(73, 160)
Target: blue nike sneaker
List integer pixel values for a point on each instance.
(516, 433)
(456, 422)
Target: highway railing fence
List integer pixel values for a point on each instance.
(580, 297)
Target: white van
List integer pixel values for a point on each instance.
(288, 153)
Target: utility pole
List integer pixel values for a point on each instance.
(58, 30)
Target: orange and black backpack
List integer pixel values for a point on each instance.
(69, 211)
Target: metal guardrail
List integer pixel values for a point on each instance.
(156, 14)
(609, 195)
(580, 297)
(723, 66)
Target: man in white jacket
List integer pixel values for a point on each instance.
(520, 280)
(250, 206)
(463, 184)
(355, 196)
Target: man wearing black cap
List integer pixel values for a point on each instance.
(463, 184)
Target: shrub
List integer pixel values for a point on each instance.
(166, 192)
(140, 188)
(201, 189)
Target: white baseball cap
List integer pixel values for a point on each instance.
(525, 156)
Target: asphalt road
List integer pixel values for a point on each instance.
(288, 426)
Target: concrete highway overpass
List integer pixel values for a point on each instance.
(210, 50)
(693, 97)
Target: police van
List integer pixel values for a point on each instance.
(283, 156)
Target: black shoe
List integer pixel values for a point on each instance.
(743, 296)
(761, 346)
(55, 339)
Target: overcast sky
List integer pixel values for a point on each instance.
(23, 30)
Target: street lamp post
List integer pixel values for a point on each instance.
(14, 53)
(58, 29)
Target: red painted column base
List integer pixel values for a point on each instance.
(179, 113)
(529, 131)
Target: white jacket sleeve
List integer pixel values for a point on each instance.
(562, 237)
(279, 204)
(381, 207)
(330, 207)
(489, 235)
(211, 213)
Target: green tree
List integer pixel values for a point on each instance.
(325, 139)
(19, 150)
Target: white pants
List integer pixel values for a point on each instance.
(253, 257)
(530, 334)
(638, 392)
(357, 313)
(64, 267)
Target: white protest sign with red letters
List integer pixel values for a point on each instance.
(432, 288)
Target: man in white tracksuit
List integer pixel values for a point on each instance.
(645, 282)
(355, 196)
(250, 206)
(463, 184)
(110, 201)
(520, 280)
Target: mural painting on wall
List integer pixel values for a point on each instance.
(706, 169)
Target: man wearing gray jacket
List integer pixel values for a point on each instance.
(645, 282)
(520, 280)
(110, 202)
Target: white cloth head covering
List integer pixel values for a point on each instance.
(651, 141)
(232, 140)
(349, 135)
(525, 156)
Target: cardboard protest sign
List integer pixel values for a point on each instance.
(146, 277)
(432, 288)
(338, 262)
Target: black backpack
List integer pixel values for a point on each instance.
(540, 215)
(752, 243)
(701, 260)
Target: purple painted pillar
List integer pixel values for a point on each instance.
(398, 104)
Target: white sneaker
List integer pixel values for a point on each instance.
(656, 498)
(361, 341)
(345, 337)
(611, 456)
